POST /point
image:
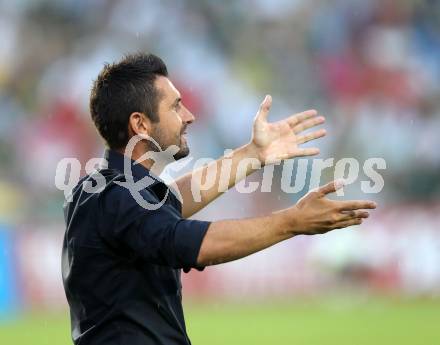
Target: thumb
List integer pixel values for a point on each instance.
(263, 112)
(332, 187)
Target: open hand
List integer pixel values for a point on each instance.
(280, 140)
(316, 214)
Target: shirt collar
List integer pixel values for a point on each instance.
(116, 160)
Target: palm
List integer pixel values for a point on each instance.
(280, 140)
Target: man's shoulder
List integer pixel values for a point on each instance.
(98, 181)
(94, 185)
(124, 192)
(111, 191)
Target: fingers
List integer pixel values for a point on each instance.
(302, 126)
(349, 218)
(311, 136)
(297, 118)
(356, 205)
(263, 112)
(347, 215)
(331, 187)
(347, 223)
(310, 151)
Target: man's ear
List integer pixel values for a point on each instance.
(139, 123)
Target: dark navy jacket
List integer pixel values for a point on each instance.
(121, 262)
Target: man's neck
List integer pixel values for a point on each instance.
(151, 160)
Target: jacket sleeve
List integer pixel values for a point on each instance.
(159, 236)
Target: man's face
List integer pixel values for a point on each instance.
(174, 117)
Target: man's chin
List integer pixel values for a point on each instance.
(182, 153)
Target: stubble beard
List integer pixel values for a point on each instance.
(183, 149)
(179, 141)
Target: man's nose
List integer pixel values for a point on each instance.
(187, 117)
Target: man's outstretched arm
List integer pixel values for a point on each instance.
(271, 143)
(314, 214)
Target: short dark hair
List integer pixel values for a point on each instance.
(122, 88)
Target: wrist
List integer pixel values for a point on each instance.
(289, 221)
(253, 151)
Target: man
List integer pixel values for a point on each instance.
(121, 261)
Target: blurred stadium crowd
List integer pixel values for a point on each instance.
(371, 67)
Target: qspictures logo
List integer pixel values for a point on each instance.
(68, 170)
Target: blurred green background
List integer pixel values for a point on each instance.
(332, 322)
(371, 67)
